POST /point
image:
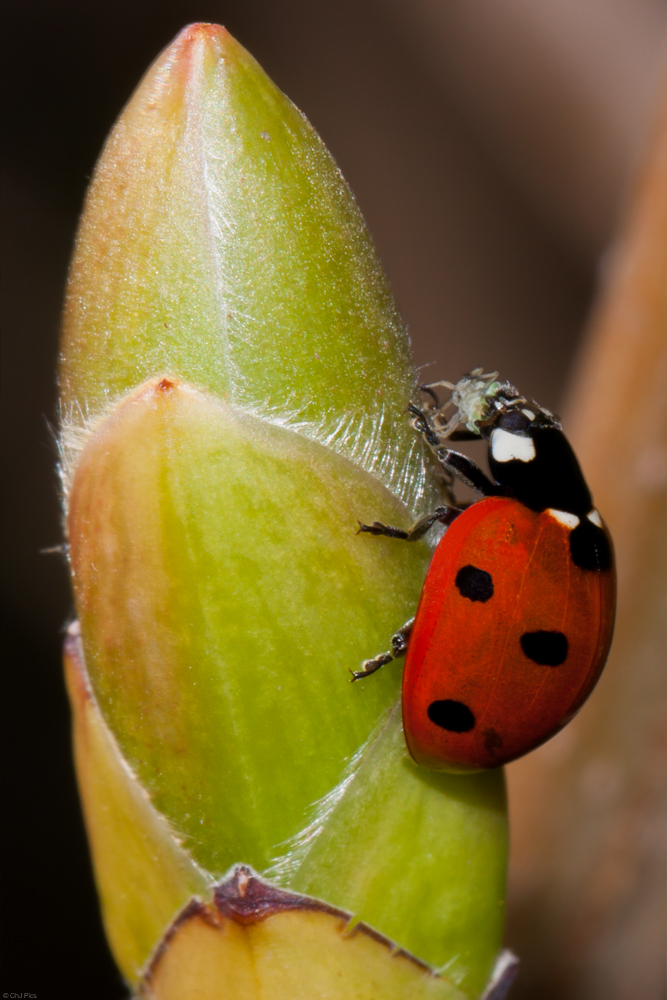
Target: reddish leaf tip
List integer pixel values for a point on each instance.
(165, 385)
(201, 35)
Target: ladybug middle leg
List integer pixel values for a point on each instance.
(399, 647)
(445, 515)
(468, 472)
(399, 641)
(453, 464)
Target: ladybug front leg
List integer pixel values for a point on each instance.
(399, 647)
(454, 462)
(465, 469)
(445, 515)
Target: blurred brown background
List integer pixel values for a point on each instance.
(491, 145)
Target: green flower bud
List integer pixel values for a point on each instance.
(235, 379)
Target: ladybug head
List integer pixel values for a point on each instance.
(529, 456)
(481, 404)
(507, 410)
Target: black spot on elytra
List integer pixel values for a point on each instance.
(451, 715)
(492, 741)
(475, 584)
(589, 546)
(549, 649)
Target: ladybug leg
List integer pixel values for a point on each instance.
(453, 462)
(399, 647)
(465, 469)
(369, 667)
(445, 515)
(422, 424)
(399, 640)
(376, 528)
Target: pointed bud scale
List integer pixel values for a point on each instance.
(254, 941)
(143, 874)
(219, 242)
(219, 578)
(235, 380)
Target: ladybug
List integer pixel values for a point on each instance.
(516, 615)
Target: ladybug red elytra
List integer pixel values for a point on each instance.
(516, 615)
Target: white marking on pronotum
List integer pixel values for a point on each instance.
(529, 414)
(594, 517)
(505, 447)
(569, 520)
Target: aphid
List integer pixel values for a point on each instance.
(516, 615)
